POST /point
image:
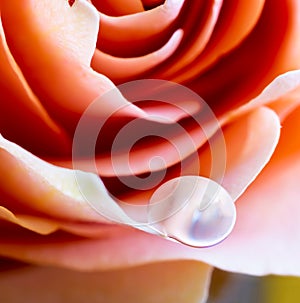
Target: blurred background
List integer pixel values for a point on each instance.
(237, 288)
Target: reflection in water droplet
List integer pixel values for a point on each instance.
(193, 210)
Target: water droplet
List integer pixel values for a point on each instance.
(193, 210)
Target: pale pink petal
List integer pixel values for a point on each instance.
(282, 95)
(55, 192)
(43, 187)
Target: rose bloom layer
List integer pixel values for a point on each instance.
(57, 57)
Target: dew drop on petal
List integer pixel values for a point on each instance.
(192, 210)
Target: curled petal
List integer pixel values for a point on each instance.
(36, 224)
(245, 160)
(153, 155)
(196, 35)
(282, 95)
(122, 69)
(56, 192)
(135, 35)
(234, 23)
(273, 56)
(53, 190)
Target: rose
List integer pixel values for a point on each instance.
(51, 107)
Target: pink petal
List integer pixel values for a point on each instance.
(53, 190)
(266, 237)
(127, 247)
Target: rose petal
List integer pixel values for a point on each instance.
(196, 35)
(131, 147)
(16, 94)
(159, 283)
(53, 190)
(123, 69)
(137, 34)
(282, 95)
(266, 237)
(136, 246)
(35, 224)
(225, 91)
(56, 192)
(54, 62)
(215, 256)
(153, 155)
(250, 142)
(46, 226)
(235, 22)
(118, 7)
(74, 85)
